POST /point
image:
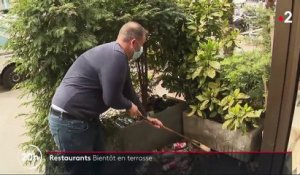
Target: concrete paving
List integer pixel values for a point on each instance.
(11, 131)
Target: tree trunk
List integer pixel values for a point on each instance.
(228, 51)
(266, 82)
(143, 77)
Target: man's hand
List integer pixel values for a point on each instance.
(156, 123)
(134, 111)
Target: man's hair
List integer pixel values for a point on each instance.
(132, 30)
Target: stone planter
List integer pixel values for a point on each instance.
(142, 136)
(211, 134)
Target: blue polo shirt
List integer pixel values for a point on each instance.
(97, 80)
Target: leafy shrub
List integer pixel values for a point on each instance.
(208, 87)
(200, 78)
(249, 73)
(215, 99)
(239, 117)
(205, 19)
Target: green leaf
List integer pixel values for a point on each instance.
(225, 108)
(204, 114)
(215, 101)
(216, 65)
(188, 77)
(236, 124)
(236, 92)
(194, 108)
(242, 96)
(201, 82)
(220, 111)
(224, 101)
(259, 112)
(192, 27)
(199, 112)
(253, 115)
(231, 126)
(211, 73)
(210, 17)
(201, 98)
(226, 124)
(213, 85)
(204, 105)
(211, 107)
(231, 102)
(228, 116)
(213, 115)
(197, 72)
(255, 125)
(229, 44)
(217, 14)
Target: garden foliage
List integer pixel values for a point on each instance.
(48, 36)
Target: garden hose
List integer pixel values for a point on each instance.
(192, 141)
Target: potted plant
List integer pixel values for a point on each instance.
(223, 115)
(125, 134)
(220, 117)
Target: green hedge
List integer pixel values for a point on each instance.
(48, 36)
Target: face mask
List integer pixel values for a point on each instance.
(137, 54)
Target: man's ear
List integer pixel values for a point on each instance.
(132, 41)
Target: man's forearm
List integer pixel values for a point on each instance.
(130, 93)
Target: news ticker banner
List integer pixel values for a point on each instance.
(163, 162)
